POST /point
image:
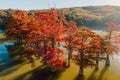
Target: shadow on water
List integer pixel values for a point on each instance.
(40, 73)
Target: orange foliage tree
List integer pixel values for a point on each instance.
(109, 40)
(48, 30)
(87, 43)
(69, 38)
(39, 34)
(17, 26)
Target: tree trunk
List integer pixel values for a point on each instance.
(45, 49)
(38, 47)
(97, 62)
(107, 57)
(18, 40)
(107, 60)
(52, 69)
(53, 42)
(70, 51)
(81, 71)
(69, 57)
(58, 44)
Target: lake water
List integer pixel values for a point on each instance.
(5, 60)
(2, 31)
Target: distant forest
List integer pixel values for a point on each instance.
(94, 17)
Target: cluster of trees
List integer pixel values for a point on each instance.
(40, 36)
(93, 23)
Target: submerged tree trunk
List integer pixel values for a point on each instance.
(97, 61)
(107, 60)
(81, 71)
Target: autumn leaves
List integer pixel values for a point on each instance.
(39, 34)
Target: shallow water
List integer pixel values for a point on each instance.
(5, 60)
(2, 31)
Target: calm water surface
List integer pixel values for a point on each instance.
(5, 60)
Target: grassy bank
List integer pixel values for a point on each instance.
(2, 35)
(40, 72)
(3, 39)
(23, 71)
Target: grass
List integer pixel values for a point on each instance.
(2, 35)
(3, 39)
(24, 71)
